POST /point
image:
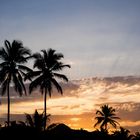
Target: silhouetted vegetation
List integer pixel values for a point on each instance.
(33, 128)
(13, 56)
(122, 134)
(47, 64)
(106, 116)
(61, 131)
(37, 120)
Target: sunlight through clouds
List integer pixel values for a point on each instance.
(85, 96)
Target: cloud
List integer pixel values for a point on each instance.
(83, 97)
(75, 119)
(130, 123)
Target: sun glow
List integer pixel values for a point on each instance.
(79, 104)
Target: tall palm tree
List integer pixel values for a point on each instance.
(106, 116)
(13, 56)
(48, 65)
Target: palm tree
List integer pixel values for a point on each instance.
(12, 70)
(37, 120)
(48, 65)
(106, 116)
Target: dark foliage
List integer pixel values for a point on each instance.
(62, 132)
(106, 115)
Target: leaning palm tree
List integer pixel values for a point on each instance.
(13, 56)
(48, 65)
(106, 116)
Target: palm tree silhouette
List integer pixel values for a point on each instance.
(106, 116)
(12, 70)
(48, 64)
(37, 120)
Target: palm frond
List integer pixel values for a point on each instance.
(24, 68)
(34, 84)
(19, 53)
(4, 72)
(99, 120)
(39, 63)
(58, 87)
(31, 75)
(4, 86)
(100, 112)
(21, 83)
(104, 123)
(59, 66)
(45, 55)
(36, 56)
(17, 84)
(61, 76)
(3, 54)
(4, 64)
(29, 120)
(114, 123)
(8, 46)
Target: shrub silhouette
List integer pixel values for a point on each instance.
(37, 120)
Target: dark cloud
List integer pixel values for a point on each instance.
(36, 95)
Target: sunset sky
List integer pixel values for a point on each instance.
(97, 37)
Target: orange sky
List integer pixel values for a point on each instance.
(82, 98)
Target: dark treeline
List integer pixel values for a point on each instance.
(33, 128)
(62, 132)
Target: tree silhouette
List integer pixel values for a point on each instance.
(106, 116)
(12, 70)
(123, 134)
(37, 120)
(48, 65)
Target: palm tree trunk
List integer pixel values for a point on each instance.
(45, 107)
(8, 101)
